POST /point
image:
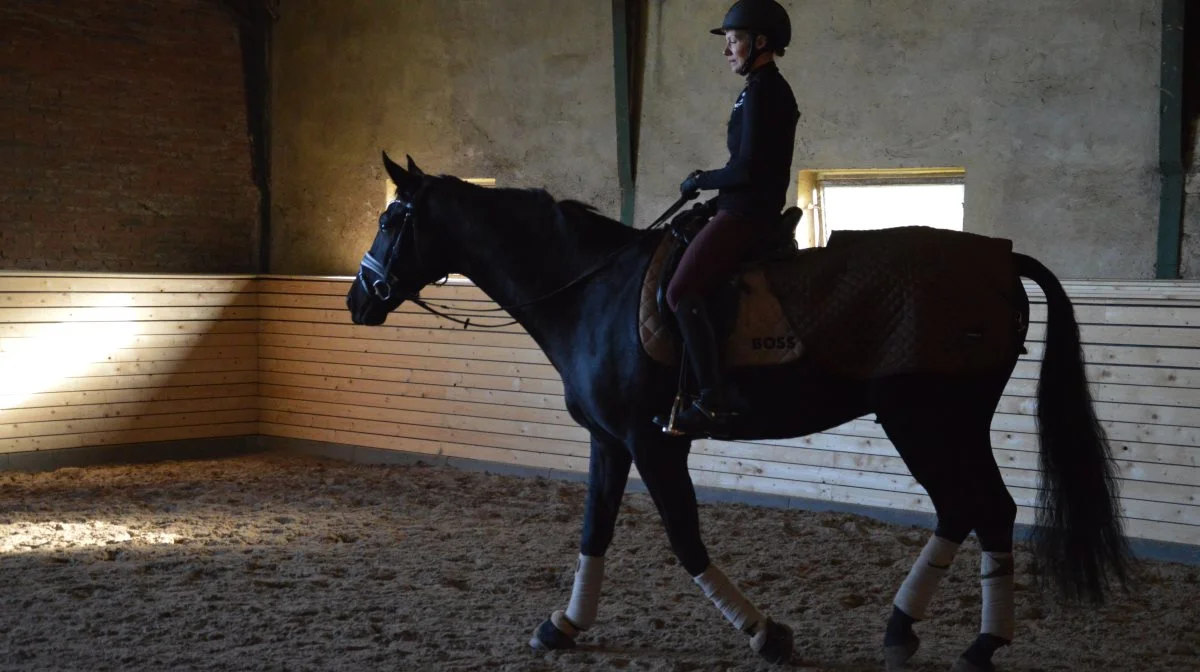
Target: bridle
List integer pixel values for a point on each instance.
(382, 287)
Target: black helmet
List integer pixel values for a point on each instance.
(765, 17)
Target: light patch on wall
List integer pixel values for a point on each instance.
(390, 187)
(859, 200)
(54, 352)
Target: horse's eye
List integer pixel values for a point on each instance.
(383, 219)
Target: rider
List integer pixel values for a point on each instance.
(752, 188)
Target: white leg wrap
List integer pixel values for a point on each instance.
(996, 576)
(922, 581)
(585, 596)
(732, 603)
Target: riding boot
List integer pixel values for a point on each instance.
(708, 415)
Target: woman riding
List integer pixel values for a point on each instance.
(752, 189)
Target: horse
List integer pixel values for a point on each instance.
(572, 277)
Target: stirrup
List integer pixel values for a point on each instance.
(704, 422)
(668, 423)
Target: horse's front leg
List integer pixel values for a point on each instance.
(608, 471)
(662, 465)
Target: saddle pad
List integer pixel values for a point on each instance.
(903, 300)
(761, 336)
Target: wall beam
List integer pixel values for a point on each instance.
(1170, 216)
(629, 20)
(621, 71)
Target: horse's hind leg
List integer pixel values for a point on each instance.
(932, 460)
(943, 434)
(996, 515)
(981, 497)
(608, 471)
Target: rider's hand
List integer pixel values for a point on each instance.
(688, 187)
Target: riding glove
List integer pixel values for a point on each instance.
(689, 187)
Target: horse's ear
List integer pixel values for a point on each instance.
(412, 167)
(406, 183)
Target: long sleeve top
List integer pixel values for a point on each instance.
(761, 137)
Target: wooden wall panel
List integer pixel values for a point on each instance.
(126, 359)
(95, 360)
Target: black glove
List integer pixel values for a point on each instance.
(689, 187)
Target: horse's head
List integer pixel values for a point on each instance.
(404, 257)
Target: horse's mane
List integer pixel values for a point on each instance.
(588, 221)
(587, 207)
(569, 216)
(586, 211)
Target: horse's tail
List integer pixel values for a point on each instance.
(1078, 537)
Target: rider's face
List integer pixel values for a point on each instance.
(737, 48)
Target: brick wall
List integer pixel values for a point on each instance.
(123, 142)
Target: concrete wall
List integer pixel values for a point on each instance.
(1050, 105)
(518, 91)
(123, 138)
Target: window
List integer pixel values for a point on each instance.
(858, 200)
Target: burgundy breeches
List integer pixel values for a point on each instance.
(713, 255)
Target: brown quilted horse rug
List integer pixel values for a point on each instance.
(870, 304)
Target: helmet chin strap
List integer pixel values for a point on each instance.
(755, 52)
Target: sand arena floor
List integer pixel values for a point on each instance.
(270, 562)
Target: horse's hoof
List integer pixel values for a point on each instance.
(774, 642)
(964, 665)
(548, 637)
(896, 656)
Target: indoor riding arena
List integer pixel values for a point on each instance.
(321, 346)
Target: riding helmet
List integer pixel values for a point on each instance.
(765, 17)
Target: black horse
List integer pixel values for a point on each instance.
(572, 279)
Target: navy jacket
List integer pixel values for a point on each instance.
(761, 139)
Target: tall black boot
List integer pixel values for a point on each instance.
(709, 415)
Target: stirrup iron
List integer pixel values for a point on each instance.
(669, 427)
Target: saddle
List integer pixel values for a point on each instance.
(747, 314)
(869, 304)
